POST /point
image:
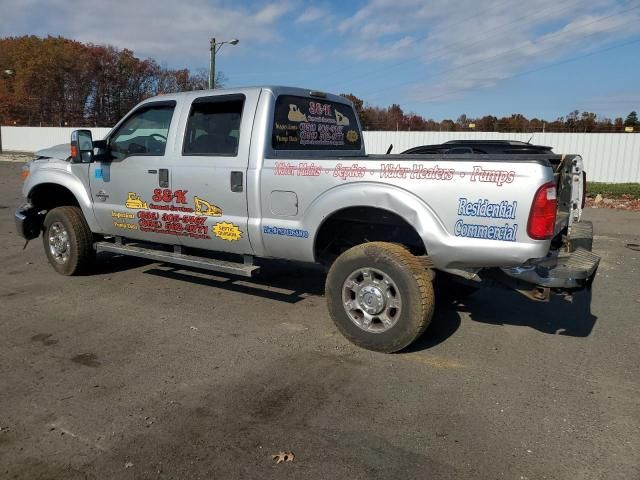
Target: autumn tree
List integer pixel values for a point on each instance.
(463, 122)
(447, 125)
(358, 104)
(57, 81)
(488, 123)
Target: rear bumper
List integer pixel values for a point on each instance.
(571, 270)
(28, 222)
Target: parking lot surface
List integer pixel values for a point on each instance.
(142, 370)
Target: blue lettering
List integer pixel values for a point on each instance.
(285, 232)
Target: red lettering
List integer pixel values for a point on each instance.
(167, 195)
(180, 196)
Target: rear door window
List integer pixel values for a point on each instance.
(304, 123)
(213, 128)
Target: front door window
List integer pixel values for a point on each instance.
(144, 133)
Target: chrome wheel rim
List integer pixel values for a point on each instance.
(59, 243)
(372, 300)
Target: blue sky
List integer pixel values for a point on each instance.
(439, 58)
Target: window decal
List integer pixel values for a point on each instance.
(302, 123)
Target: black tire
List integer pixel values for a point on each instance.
(410, 284)
(76, 256)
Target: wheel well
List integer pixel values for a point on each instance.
(48, 196)
(352, 226)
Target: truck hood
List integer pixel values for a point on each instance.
(61, 152)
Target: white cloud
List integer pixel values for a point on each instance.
(312, 54)
(311, 14)
(426, 50)
(376, 51)
(271, 13)
(175, 32)
(467, 45)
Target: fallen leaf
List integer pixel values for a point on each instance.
(281, 457)
(128, 465)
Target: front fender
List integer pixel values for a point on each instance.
(73, 177)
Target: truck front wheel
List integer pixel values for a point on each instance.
(380, 296)
(68, 241)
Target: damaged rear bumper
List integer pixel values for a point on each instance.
(570, 270)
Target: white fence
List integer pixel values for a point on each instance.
(31, 139)
(609, 157)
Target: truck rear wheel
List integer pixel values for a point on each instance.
(68, 241)
(380, 296)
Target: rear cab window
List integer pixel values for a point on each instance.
(308, 123)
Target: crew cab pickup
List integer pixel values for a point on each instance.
(215, 179)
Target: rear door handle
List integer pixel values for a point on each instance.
(236, 182)
(163, 178)
(152, 171)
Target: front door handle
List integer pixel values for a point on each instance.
(163, 178)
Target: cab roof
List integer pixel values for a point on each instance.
(276, 90)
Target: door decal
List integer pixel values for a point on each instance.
(175, 216)
(134, 202)
(120, 220)
(227, 231)
(202, 207)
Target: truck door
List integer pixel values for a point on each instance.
(131, 189)
(212, 167)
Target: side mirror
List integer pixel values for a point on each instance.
(100, 151)
(81, 146)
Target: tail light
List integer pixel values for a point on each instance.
(542, 218)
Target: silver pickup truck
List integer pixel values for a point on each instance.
(214, 179)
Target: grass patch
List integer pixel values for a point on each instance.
(613, 190)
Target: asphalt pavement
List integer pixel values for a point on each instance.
(143, 370)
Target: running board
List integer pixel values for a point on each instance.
(241, 269)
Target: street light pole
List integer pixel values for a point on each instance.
(214, 47)
(212, 64)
